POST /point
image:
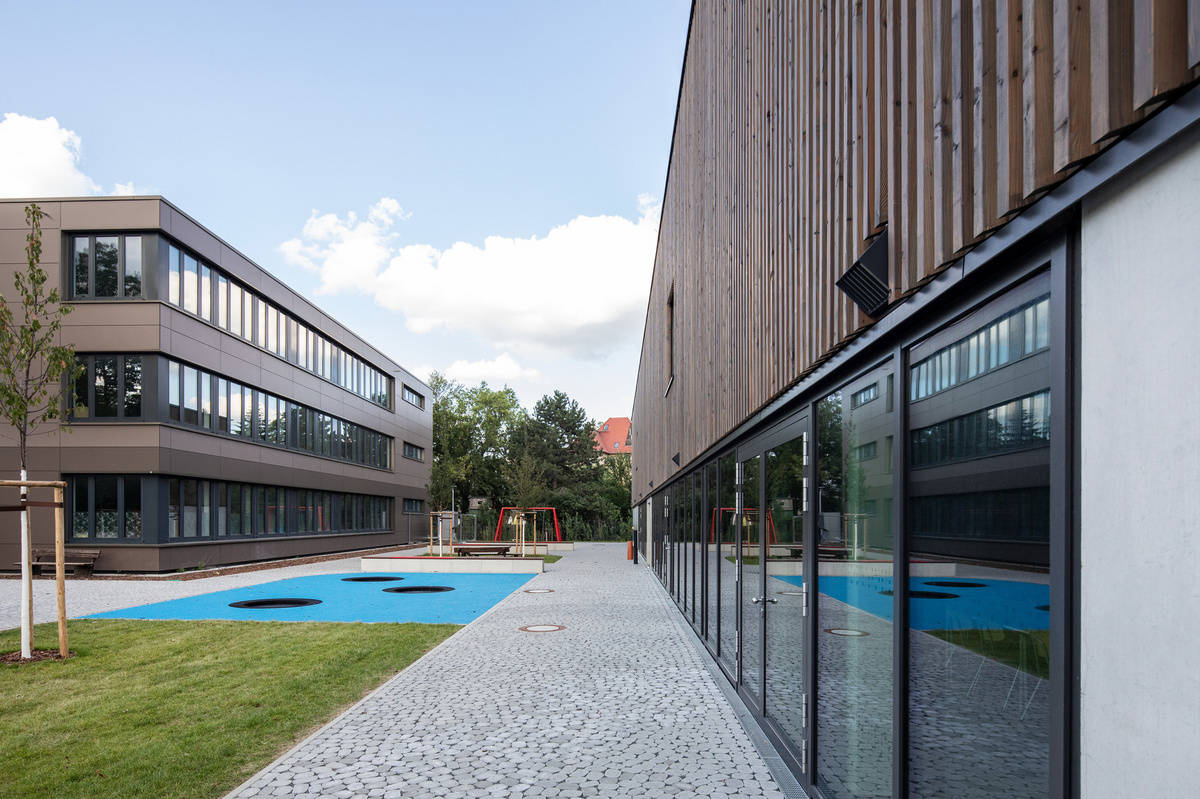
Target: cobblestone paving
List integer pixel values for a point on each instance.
(618, 704)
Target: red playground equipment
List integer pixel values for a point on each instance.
(772, 538)
(553, 512)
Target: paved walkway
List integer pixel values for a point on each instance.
(619, 704)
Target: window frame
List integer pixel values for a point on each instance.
(122, 236)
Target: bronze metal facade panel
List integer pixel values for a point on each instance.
(803, 129)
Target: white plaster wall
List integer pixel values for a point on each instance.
(1140, 471)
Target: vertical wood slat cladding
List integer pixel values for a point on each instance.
(806, 127)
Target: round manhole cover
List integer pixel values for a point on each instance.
(370, 579)
(925, 594)
(539, 590)
(418, 589)
(542, 628)
(275, 603)
(955, 584)
(846, 632)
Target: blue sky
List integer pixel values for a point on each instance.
(462, 183)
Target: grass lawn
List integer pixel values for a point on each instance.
(1027, 651)
(183, 708)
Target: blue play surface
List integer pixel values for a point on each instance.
(344, 601)
(995, 605)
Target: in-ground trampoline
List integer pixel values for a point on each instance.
(426, 598)
(942, 603)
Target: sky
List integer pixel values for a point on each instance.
(473, 187)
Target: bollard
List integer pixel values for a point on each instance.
(629, 551)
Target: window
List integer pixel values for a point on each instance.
(206, 293)
(191, 396)
(174, 279)
(205, 399)
(104, 506)
(989, 518)
(670, 338)
(190, 508)
(191, 285)
(133, 266)
(865, 395)
(414, 505)
(222, 405)
(133, 385)
(173, 371)
(222, 319)
(107, 248)
(864, 452)
(235, 309)
(235, 511)
(239, 410)
(109, 387)
(82, 265)
(133, 507)
(106, 509)
(1016, 425)
(1015, 335)
(413, 398)
(414, 452)
(106, 266)
(106, 385)
(173, 508)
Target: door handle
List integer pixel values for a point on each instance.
(756, 600)
(773, 601)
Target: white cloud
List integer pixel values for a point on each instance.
(503, 369)
(578, 290)
(40, 158)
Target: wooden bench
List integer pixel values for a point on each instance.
(482, 549)
(80, 561)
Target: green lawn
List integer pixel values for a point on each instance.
(1027, 650)
(183, 708)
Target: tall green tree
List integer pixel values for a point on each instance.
(34, 367)
(471, 431)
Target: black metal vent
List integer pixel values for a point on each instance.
(675, 459)
(866, 281)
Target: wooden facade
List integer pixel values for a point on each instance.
(805, 128)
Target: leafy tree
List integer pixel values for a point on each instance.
(34, 367)
(471, 430)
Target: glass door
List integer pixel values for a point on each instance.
(785, 598)
(751, 578)
(774, 622)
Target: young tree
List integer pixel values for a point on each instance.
(33, 370)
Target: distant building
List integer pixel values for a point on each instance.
(221, 417)
(613, 437)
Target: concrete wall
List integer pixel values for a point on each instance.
(1140, 472)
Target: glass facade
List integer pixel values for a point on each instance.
(216, 297)
(782, 553)
(111, 507)
(978, 542)
(112, 386)
(113, 266)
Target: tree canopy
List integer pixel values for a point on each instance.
(486, 445)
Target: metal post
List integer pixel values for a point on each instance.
(60, 558)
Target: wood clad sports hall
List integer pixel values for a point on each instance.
(914, 446)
